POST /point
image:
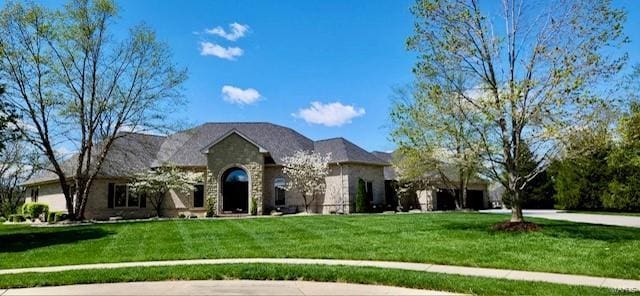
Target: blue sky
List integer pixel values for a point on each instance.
(295, 53)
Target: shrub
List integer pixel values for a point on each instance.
(182, 216)
(53, 217)
(211, 207)
(2, 219)
(17, 218)
(254, 207)
(60, 216)
(35, 209)
(361, 199)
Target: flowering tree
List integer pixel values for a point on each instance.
(156, 183)
(306, 172)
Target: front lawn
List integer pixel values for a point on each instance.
(606, 213)
(451, 238)
(361, 275)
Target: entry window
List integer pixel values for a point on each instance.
(198, 196)
(279, 187)
(369, 192)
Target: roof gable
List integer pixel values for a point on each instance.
(231, 132)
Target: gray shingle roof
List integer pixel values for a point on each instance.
(183, 148)
(342, 150)
(135, 152)
(390, 172)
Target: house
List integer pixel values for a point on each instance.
(439, 195)
(238, 162)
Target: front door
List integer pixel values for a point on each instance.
(235, 191)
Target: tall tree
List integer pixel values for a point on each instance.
(582, 175)
(528, 72)
(76, 87)
(624, 164)
(437, 143)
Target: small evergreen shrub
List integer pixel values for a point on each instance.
(2, 219)
(54, 217)
(60, 216)
(254, 207)
(361, 198)
(210, 207)
(51, 217)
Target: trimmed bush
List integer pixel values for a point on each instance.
(254, 207)
(361, 198)
(210, 207)
(60, 216)
(17, 218)
(35, 209)
(53, 217)
(2, 219)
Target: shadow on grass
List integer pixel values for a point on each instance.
(556, 229)
(23, 241)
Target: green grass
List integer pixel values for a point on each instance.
(606, 213)
(361, 275)
(452, 238)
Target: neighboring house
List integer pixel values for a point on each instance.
(439, 196)
(239, 161)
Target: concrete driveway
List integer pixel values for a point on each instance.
(615, 220)
(226, 287)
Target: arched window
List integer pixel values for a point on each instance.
(279, 187)
(235, 191)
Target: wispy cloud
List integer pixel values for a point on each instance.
(212, 49)
(330, 114)
(236, 95)
(236, 31)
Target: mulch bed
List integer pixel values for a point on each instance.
(516, 226)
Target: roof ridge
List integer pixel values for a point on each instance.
(142, 134)
(334, 138)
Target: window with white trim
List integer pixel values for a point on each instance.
(279, 185)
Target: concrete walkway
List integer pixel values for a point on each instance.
(226, 287)
(557, 278)
(604, 219)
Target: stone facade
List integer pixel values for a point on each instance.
(234, 151)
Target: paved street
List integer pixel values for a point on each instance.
(227, 287)
(616, 220)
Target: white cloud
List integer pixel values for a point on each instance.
(330, 114)
(240, 96)
(212, 49)
(236, 32)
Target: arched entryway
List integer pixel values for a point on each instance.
(235, 191)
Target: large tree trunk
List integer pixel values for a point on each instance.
(516, 208)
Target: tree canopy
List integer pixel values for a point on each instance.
(526, 72)
(76, 86)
